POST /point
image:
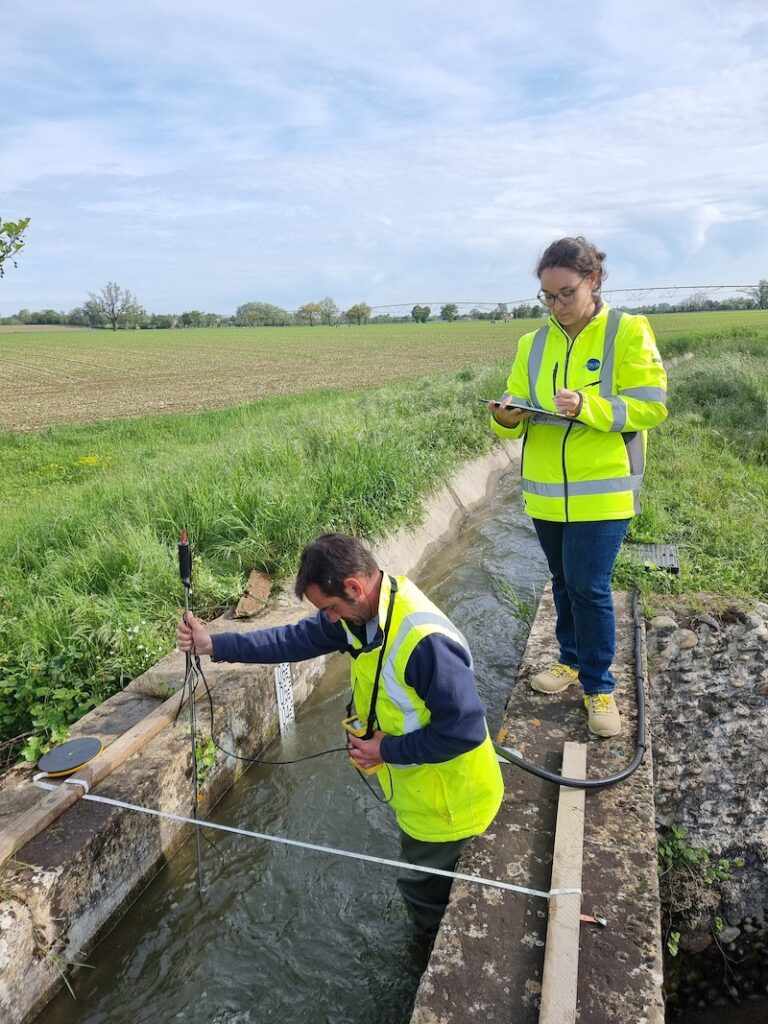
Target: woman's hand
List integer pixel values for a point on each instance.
(506, 417)
(568, 403)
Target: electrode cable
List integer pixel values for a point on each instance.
(199, 823)
(517, 759)
(200, 676)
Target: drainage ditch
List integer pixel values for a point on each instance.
(284, 934)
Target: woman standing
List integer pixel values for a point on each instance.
(601, 370)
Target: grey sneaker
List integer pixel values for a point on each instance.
(553, 680)
(604, 717)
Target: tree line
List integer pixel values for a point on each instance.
(699, 302)
(117, 307)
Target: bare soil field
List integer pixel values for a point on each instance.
(88, 376)
(36, 328)
(49, 378)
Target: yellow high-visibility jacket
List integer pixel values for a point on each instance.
(589, 468)
(432, 802)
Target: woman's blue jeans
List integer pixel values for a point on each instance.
(580, 558)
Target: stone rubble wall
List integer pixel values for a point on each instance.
(709, 676)
(710, 737)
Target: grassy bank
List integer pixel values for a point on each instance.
(89, 590)
(706, 486)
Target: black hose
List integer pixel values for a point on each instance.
(516, 758)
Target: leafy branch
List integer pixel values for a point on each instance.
(11, 240)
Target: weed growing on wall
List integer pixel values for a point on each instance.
(690, 881)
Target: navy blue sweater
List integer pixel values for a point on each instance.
(439, 670)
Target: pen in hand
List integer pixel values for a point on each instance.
(576, 391)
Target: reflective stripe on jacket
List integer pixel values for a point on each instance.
(432, 802)
(589, 468)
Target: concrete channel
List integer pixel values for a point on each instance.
(69, 885)
(499, 941)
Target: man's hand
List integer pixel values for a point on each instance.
(366, 753)
(193, 637)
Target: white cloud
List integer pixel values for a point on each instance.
(386, 152)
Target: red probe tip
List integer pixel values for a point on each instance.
(183, 539)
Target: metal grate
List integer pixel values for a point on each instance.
(662, 555)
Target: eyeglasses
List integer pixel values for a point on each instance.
(565, 296)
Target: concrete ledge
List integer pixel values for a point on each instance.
(404, 553)
(488, 958)
(73, 880)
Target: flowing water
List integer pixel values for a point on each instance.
(289, 935)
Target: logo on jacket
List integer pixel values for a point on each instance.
(593, 364)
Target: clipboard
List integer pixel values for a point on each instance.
(524, 407)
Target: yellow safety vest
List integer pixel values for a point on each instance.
(591, 467)
(432, 802)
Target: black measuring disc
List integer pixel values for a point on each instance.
(70, 756)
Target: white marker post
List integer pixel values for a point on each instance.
(284, 694)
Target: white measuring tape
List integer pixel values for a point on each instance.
(198, 823)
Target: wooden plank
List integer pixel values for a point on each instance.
(561, 954)
(27, 825)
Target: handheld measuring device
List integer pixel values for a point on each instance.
(356, 727)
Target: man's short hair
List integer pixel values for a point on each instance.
(329, 560)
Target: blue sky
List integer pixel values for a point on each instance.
(204, 155)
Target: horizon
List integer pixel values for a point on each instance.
(636, 299)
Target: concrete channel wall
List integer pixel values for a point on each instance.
(487, 963)
(65, 887)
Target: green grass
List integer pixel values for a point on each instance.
(749, 338)
(89, 589)
(668, 325)
(706, 487)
